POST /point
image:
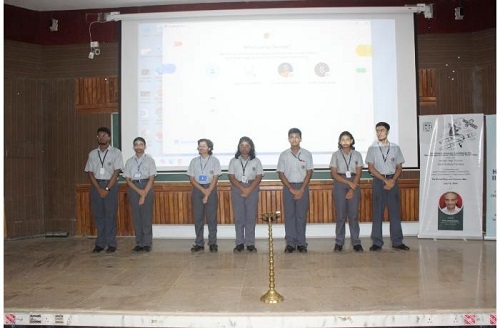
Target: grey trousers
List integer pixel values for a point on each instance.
(295, 216)
(346, 209)
(142, 215)
(104, 211)
(202, 211)
(245, 215)
(381, 199)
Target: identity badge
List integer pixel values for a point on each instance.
(102, 171)
(202, 178)
(348, 174)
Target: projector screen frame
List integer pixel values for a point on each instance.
(278, 13)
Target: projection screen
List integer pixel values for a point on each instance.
(222, 75)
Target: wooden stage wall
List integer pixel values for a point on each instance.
(173, 204)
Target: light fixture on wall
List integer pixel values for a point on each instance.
(94, 49)
(426, 9)
(55, 25)
(94, 45)
(459, 13)
(99, 18)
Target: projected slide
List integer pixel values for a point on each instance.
(223, 79)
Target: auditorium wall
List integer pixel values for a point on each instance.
(46, 140)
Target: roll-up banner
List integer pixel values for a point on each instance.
(491, 177)
(451, 176)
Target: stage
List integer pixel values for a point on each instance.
(59, 281)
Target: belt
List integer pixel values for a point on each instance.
(249, 181)
(205, 185)
(388, 176)
(139, 181)
(102, 180)
(343, 174)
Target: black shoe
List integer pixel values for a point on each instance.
(337, 248)
(138, 249)
(251, 249)
(197, 248)
(358, 248)
(289, 249)
(97, 249)
(147, 248)
(402, 247)
(239, 248)
(214, 248)
(376, 248)
(302, 249)
(111, 249)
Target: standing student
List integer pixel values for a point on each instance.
(346, 166)
(204, 172)
(103, 166)
(140, 172)
(385, 162)
(295, 168)
(245, 174)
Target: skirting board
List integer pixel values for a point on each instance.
(316, 230)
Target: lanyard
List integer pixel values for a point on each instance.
(203, 166)
(386, 155)
(350, 157)
(244, 167)
(102, 160)
(298, 155)
(139, 165)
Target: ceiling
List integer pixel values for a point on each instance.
(53, 5)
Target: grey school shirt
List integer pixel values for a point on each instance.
(207, 167)
(344, 163)
(140, 168)
(295, 167)
(248, 168)
(109, 160)
(385, 158)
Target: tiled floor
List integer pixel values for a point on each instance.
(62, 281)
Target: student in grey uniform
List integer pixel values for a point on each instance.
(385, 162)
(140, 173)
(245, 174)
(295, 168)
(103, 166)
(204, 172)
(346, 166)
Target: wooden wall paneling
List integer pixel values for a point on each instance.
(71, 61)
(472, 54)
(85, 222)
(454, 91)
(427, 85)
(168, 197)
(125, 223)
(445, 50)
(484, 92)
(167, 213)
(365, 208)
(484, 47)
(409, 200)
(96, 95)
(59, 126)
(23, 164)
(225, 205)
(465, 66)
(22, 60)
